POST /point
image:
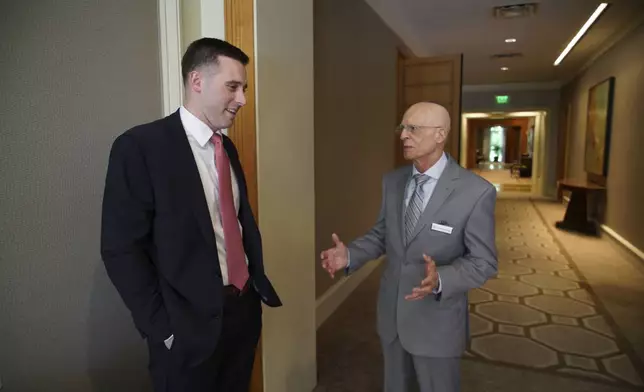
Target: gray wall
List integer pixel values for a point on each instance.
(548, 100)
(74, 75)
(355, 117)
(625, 189)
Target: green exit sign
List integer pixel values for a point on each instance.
(502, 99)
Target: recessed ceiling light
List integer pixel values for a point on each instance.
(510, 40)
(581, 32)
(504, 68)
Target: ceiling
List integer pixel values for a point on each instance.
(439, 27)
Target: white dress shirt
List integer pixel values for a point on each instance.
(203, 150)
(434, 174)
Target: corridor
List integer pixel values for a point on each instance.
(565, 313)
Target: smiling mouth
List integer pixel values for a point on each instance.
(232, 111)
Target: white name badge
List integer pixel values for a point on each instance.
(442, 228)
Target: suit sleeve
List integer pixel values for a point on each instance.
(371, 245)
(480, 260)
(126, 238)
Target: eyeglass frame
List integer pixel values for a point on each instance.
(413, 129)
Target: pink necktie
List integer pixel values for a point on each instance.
(235, 257)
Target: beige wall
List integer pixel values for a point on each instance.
(75, 75)
(284, 32)
(355, 117)
(625, 195)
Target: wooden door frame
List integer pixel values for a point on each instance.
(239, 21)
(539, 142)
(240, 31)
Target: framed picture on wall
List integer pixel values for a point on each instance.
(598, 129)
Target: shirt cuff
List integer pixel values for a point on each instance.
(168, 342)
(438, 288)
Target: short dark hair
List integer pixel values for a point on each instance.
(207, 51)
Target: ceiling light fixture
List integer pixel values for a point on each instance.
(504, 68)
(510, 40)
(581, 32)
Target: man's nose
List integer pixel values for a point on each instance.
(241, 97)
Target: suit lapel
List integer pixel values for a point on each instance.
(443, 189)
(401, 188)
(187, 176)
(233, 157)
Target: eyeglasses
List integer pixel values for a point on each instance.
(414, 129)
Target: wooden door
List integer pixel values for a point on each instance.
(433, 79)
(512, 144)
(239, 20)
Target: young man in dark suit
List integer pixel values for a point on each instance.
(179, 239)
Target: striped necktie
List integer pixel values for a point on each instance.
(415, 206)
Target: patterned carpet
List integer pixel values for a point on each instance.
(539, 313)
(538, 324)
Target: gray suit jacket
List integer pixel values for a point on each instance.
(435, 326)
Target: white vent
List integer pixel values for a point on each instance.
(515, 11)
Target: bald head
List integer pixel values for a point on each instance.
(429, 113)
(423, 131)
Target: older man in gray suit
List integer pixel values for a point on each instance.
(436, 226)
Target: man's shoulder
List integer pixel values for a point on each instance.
(147, 138)
(147, 131)
(474, 181)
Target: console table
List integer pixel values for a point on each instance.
(577, 218)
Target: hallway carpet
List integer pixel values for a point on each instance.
(537, 326)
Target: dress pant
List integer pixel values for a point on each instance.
(405, 372)
(230, 366)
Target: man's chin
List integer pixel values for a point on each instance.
(226, 124)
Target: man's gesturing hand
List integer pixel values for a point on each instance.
(428, 284)
(336, 258)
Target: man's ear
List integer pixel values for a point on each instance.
(441, 135)
(195, 81)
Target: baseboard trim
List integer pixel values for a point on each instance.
(637, 252)
(336, 294)
(621, 240)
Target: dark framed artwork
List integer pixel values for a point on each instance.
(598, 129)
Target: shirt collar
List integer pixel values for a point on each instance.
(436, 170)
(195, 127)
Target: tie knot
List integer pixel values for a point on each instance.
(216, 138)
(421, 179)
